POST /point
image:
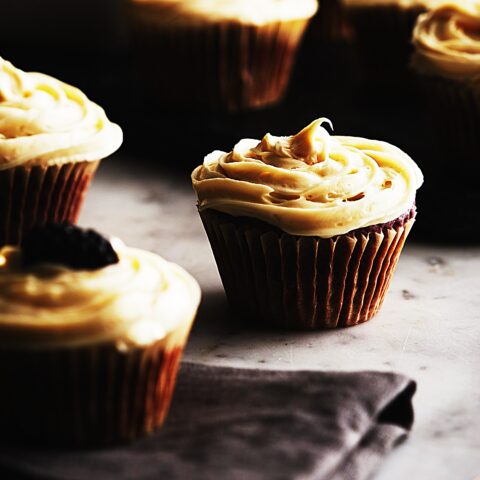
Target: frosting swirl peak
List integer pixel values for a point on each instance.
(311, 145)
(310, 183)
(46, 121)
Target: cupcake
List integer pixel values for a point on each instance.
(307, 229)
(52, 138)
(382, 30)
(91, 335)
(446, 62)
(222, 54)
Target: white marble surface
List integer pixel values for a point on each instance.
(428, 329)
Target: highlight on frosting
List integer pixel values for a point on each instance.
(137, 301)
(310, 183)
(447, 39)
(255, 12)
(44, 121)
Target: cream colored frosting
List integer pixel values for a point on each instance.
(44, 121)
(447, 40)
(137, 301)
(256, 12)
(310, 183)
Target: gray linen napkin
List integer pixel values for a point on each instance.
(241, 424)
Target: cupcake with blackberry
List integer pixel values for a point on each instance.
(221, 54)
(52, 138)
(307, 229)
(446, 63)
(91, 335)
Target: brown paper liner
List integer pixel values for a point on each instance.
(294, 282)
(85, 396)
(223, 66)
(383, 35)
(39, 194)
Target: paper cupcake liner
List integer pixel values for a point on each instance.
(383, 35)
(85, 396)
(294, 282)
(39, 194)
(224, 66)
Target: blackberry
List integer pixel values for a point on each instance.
(69, 245)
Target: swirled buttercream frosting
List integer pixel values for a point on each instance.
(447, 40)
(310, 183)
(254, 12)
(44, 121)
(137, 301)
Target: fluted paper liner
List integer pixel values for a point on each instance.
(86, 396)
(39, 194)
(295, 282)
(227, 65)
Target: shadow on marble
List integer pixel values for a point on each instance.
(213, 315)
(215, 319)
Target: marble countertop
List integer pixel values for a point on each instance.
(428, 329)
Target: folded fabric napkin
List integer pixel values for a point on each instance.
(241, 424)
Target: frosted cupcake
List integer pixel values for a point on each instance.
(307, 230)
(229, 54)
(447, 60)
(91, 335)
(52, 138)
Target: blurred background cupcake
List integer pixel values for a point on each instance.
(228, 54)
(91, 337)
(52, 138)
(446, 62)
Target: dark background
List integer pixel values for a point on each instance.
(87, 43)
